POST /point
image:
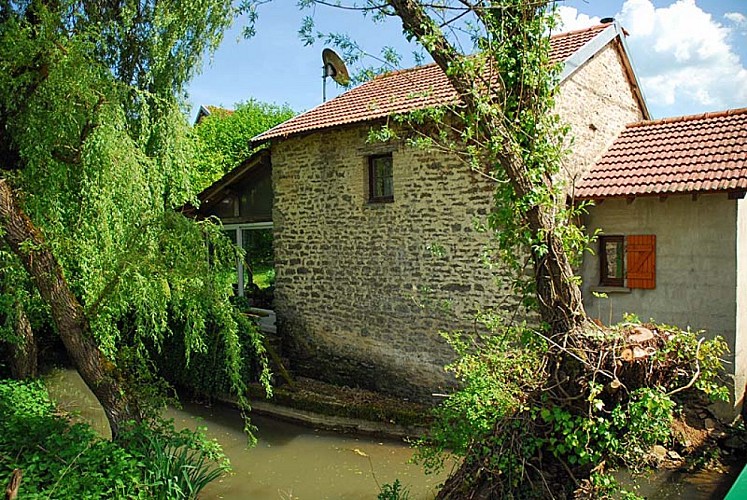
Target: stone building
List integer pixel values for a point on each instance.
(376, 250)
(669, 204)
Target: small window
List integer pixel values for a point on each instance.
(628, 260)
(380, 179)
(612, 260)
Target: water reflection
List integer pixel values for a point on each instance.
(289, 461)
(295, 462)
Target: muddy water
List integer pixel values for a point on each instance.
(294, 462)
(289, 461)
(672, 485)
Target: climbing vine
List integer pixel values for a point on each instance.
(545, 407)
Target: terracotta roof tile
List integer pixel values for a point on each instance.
(688, 154)
(402, 91)
(219, 110)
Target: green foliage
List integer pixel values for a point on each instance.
(16, 290)
(500, 416)
(206, 372)
(699, 356)
(93, 138)
(393, 491)
(622, 436)
(60, 460)
(495, 374)
(180, 463)
(222, 138)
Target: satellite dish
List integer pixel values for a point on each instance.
(334, 67)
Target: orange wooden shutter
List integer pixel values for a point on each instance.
(641, 264)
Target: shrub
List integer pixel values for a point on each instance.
(64, 460)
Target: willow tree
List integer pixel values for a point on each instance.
(94, 156)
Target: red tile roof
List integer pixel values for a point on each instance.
(219, 110)
(688, 154)
(402, 91)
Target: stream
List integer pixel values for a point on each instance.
(296, 462)
(289, 462)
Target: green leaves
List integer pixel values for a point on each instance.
(222, 138)
(102, 155)
(62, 460)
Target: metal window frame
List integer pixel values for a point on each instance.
(240, 243)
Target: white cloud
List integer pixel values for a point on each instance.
(737, 18)
(570, 19)
(739, 21)
(682, 55)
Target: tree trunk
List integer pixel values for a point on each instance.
(14, 483)
(101, 376)
(559, 296)
(23, 354)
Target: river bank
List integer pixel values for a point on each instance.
(293, 461)
(290, 461)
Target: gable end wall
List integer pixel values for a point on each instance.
(597, 101)
(363, 290)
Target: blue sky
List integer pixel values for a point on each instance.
(690, 55)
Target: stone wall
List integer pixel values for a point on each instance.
(696, 266)
(597, 102)
(363, 290)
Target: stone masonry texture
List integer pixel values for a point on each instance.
(363, 290)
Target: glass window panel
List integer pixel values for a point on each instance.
(612, 258)
(382, 182)
(257, 244)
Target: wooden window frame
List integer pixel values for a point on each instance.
(604, 279)
(372, 198)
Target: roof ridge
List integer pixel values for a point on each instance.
(406, 89)
(686, 118)
(582, 30)
(423, 66)
(400, 71)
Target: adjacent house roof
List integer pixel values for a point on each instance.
(206, 111)
(427, 86)
(217, 190)
(688, 154)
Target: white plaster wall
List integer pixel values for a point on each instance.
(697, 247)
(740, 349)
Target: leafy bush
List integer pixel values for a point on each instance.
(180, 463)
(60, 460)
(495, 374)
(606, 403)
(393, 491)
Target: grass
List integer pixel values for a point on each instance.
(264, 275)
